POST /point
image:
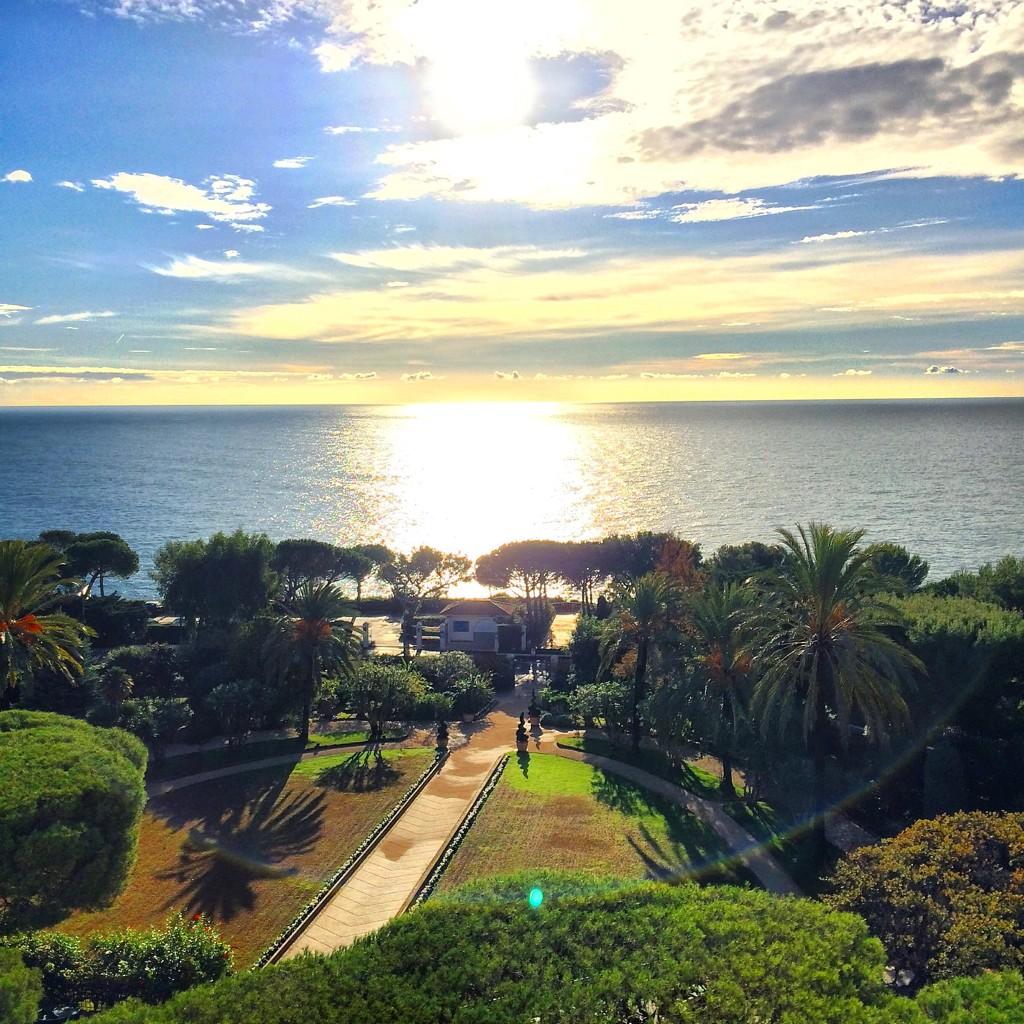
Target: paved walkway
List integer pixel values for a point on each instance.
(384, 884)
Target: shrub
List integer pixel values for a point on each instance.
(70, 804)
(155, 720)
(153, 668)
(945, 896)
(238, 706)
(21, 989)
(116, 621)
(472, 695)
(447, 670)
(593, 952)
(107, 968)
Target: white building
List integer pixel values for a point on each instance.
(472, 625)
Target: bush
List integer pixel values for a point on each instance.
(153, 668)
(447, 670)
(70, 805)
(107, 968)
(155, 720)
(238, 706)
(21, 989)
(593, 952)
(945, 896)
(471, 695)
(117, 621)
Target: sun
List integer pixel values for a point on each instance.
(480, 87)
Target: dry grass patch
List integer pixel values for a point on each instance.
(550, 812)
(249, 850)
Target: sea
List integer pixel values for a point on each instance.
(945, 478)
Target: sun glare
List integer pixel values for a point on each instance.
(480, 88)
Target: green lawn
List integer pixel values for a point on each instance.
(550, 812)
(689, 775)
(251, 849)
(764, 822)
(226, 757)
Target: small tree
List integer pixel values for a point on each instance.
(896, 566)
(382, 693)
(95, 556)
(238, 705)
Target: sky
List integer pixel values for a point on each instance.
(378, 201)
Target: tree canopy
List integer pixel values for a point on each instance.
(945, 896)
(594, 951)
(69, 813)
(225, 579)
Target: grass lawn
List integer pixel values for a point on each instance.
(690, 776)
(550, 812)
(224, 757)
(763, 822)
(250, 850)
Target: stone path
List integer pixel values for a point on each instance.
(384, 884)
(748, 850)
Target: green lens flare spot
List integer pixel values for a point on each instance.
(536, 898)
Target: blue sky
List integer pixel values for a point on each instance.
(339, 200)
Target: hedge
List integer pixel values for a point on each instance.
(70, 804)
(594, 951)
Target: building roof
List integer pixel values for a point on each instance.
(477, 606)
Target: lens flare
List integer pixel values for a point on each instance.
(536, 898)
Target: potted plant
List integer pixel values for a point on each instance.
(534, 711)
(522, 738)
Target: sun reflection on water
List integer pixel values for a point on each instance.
(469, 477)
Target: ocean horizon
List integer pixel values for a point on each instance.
(945, 477)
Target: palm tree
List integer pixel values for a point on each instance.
(826, 649)
(32, 638)
(720, 621)
(312, 636)
(646, 607)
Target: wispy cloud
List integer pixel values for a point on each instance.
(359, 129)
(853, 373)
(507, 375)
(728, 209)
(419, 376)
(331, 201)
(292, 163)
(226, 198)
(70, 318)
(934, 369)
(231, 268)
(74, 186)
(9, 309)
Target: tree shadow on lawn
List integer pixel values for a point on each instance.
(231, 845)
(692, 848)
(362, 772)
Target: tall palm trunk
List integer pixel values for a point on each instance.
(728, 786)
(639, 686)
(307, 697)
(819, 764)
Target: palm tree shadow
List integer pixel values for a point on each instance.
(229, 847)
(362, 772)
(691, 849)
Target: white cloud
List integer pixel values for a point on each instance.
(503, 375)
(419, 376)
(722, 357)
(226, 198)
(836, 236)
(231, 254)
(335, 58)
(944, 370)
(728, 209)
(359, 129)
(204, 227)
(232, 268)
(292, 163)
(249, 229)
(22, 348)
(651, 375)
(17, 177)
(437, 259)
(74, 186)
(331, 201)
(9, 308)
(853, 373)
(633, 215)
(342, 377)
(69, 318)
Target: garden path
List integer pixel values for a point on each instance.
(384, 884)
